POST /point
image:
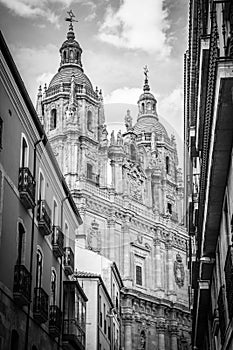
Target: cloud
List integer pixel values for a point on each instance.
(31, 9)
(44, 78)
(40, 8)
(137, 25)
(123, 95)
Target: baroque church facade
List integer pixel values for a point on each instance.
(137, 220)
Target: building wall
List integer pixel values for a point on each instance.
(19, 119)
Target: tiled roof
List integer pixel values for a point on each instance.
(85, 274)
(64, 76)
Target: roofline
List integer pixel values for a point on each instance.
(79, 288)
(23, 91)
(114, 267)
(102, 283)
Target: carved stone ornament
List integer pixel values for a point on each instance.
(93, 238)
(179, 271)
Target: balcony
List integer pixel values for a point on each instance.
(26, 188)
(57, 242)
(22, 285)
(69, 261)
(74, 321)
(40, 305)
(44, 218)
(73, 335)
(55, 320)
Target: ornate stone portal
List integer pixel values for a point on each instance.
(136, 218)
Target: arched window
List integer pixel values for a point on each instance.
(148, 106)
(39, 266)
(133, 152)
(64, 55)
(53, 119)
(24, 153)
(143, 107)
(71, 54)
(21, 241)
(53, 287)
(167, 165)
(14, 340)
(169, 208)
(89, 120)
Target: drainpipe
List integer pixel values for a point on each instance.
(98, 310)
(60, 281)
(32, 244)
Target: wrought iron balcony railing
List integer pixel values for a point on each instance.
(68, 261)
(44, 218)
(26, 188)
(40, 305)
(22, 285)
(58, 242)
(55, 320)
(73, 333)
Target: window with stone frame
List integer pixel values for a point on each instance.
(89, 171)
(53, 119)
(89, 121)
(138, 274)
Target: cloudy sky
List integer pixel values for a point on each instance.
(118, 38)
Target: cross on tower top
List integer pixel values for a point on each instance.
(71, 17)
(146, 70)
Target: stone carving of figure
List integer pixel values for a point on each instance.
(94, 237)
(104, 136)
(70, 115)
(112, 139)
(119, 138)
(128, 121)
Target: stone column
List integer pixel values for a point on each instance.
(161, 328)
(158, 281)
(126, 252)
(111, 236)
(113, 173)
(127, 322)
(174, 332)
(170, 276)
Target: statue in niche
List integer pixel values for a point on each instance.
(179, 271)
(70, 115)
(142, 345)
(93, 238)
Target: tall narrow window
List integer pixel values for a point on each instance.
(169, 208)
(167, 165)
(89, 171)
(89, 120)
(41, 189)
(21, 237)
(139, 275)
(53, 119)
(53, 288)
(105, 322)
(142, 340)
(14, 340)
(55, 213)
(100, 312)
(1, 129)
(39, 263)
(24, 153)
(133, 152)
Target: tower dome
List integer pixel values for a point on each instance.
(147, 120)
(71, 63)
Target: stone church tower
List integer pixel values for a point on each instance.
(137, 220)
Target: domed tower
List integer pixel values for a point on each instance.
(150, 149)
(73, 117)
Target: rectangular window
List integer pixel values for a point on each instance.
(139, 275)
(1, 128)
(89, 171)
